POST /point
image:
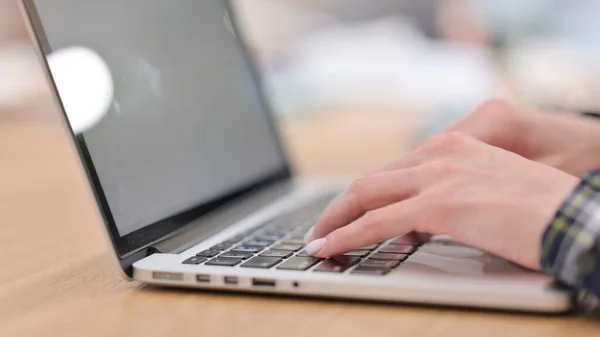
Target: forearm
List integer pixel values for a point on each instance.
(571, 243)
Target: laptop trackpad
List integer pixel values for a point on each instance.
(450, 257)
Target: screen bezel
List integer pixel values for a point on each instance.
(128, 245)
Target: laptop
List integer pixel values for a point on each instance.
(192, 181)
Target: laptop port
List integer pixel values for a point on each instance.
(231, 280)
(163, 276)
(257, 282)
(203, 278)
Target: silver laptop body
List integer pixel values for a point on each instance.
(191, 180)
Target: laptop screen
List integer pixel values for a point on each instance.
(184, 124)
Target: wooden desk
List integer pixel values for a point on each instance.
(57, 278)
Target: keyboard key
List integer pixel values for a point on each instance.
(235, 239)
(209, 253)
(381, 263)
(291, 241)
(261, 262)
(291, 248)
(260, 244)
(266, 237)
(371, 270)
(245, 235)
(406, 240)
(338, 264)
(194, 260)
(277, 253)
(359, 253)
(277, 232)
(371, 247)
(246, 249)
(298, 263)
(301, 231)
(303, 254)
(221, 246)
(223, 261)
(237, 255)
(397, 249)
(296, 238)
(285, 224)
(385, 256)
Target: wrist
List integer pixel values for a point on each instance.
(577, 141)
(591, 140)
(571, 241)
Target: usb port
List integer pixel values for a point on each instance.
(230, 280)
(203, 278)
(257, 282)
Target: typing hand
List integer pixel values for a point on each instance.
(568, 143)
(480, 195)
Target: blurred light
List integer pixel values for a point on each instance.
(84, 84)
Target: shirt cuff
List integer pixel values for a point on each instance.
(571, 243)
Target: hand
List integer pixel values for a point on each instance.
(480, 195)
(570, 144)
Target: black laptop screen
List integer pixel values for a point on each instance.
(181, 122)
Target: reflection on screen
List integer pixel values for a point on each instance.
(185, 125)
(84, 84)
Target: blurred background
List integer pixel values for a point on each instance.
(355, 83)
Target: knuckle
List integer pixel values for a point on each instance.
(359, 185)
(496, 109)
(357, 191)
(440, 168)
(444, 143)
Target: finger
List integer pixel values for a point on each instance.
(325, 226)
(382, 224)
(410, 160)
(369, 193)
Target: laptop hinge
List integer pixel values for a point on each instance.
(152, 250)
(218, 220)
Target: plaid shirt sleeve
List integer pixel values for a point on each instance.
(571, 243)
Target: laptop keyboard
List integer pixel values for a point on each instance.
(279, 244)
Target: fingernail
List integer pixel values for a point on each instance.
(308, 236)
(315, 246)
